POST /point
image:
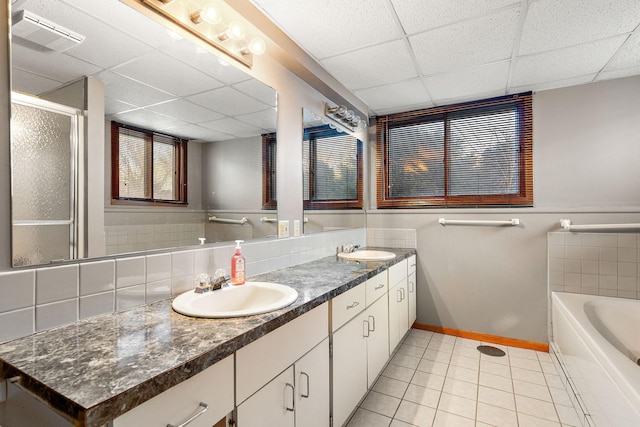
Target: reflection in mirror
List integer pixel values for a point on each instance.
(332, 174)
(125, 67)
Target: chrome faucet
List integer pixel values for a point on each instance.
(204, 283)
(348, 248)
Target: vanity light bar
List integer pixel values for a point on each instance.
(192, 22)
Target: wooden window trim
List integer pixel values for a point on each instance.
(181, 169)
(525, 127)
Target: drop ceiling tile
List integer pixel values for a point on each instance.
(565, 63)
(265, 120)
(232, 126)
(466, 44)
(618, 74)
(553, 24)
(395, 96)
(147, 119)
(186, 111)
(536, 87)
(113, 106)
(228, 101)
(330, 27)
(628, 56)
(53, 65)
(421, 15)
(258, 90)
(26, 82)
(475, 82)
(205, 61)
(102, 45)
(163, 72)
(129, 91)
(126, 19)
(198, 133)
(372, 66)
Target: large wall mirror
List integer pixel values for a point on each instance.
(151, 79)
(332, 168)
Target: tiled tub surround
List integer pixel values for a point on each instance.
(38, 299)
(97, 369)
(595, 263)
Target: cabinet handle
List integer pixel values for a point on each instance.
(399, 295)
(403, 293)
(372, 322)
(355, 304)
(380, 286)
(308, 388)
(411, 286)
(202, 405)
(293, 398)
(365, 325)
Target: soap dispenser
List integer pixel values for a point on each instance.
(238, 265)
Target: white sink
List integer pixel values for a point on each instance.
(368, 255)
(235, 301)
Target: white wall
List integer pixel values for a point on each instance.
(586, 168)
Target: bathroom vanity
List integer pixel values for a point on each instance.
(299, 365)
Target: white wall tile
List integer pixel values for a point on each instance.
(158, 267)
(56, 283)
(131, 296)
(130, 271)
(56, 314)
(17, 324)
(93, 305)
(18, 290)
(181, 263)
(157, 291)
(181, 284)
(96, 277)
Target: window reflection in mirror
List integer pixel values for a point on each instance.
(132, 70)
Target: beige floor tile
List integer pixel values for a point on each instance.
(445, 419)
(568, 416)
(560, 396)
(495, 368)
(422, 395)
(470, 352)
(416, 341)
(411, 350)
(458, 359)
(535, 391)
(521, 352)
(398, 372)
(438, 356)
(390, 386)
(537, 408)
(365, 418)
(496, 381)
(466, 342)
(528, 375)
(463, 374)
(398, 423)
(496, 416)
(440, 346)
(492, 396)
(417, 415)
(520, 362)
(460, 388)
(405, 360)
(381, 404)
(502, 360)
(433, 367)
(443, 338)
(419, 333)
(525, 420)
(457, 405)
(554, 381)
(428, 380)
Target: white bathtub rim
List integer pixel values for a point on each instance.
(616, 365)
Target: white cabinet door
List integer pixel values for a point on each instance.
(349, 367)
(312, 387)
(378, 340)
(398, 313)
(271, 406)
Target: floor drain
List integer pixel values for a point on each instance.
(490, 350)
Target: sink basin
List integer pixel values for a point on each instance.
(368, 255)
(235, 301)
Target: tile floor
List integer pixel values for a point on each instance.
(437, 380)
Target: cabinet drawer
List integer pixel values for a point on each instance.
(411, 266)
(397, 272)
(345, 306)
(376, 287)
(213, 386)
(257, 363)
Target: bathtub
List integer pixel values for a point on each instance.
(597, 343)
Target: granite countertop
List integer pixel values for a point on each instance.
(94, 370)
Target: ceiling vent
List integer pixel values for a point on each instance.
(35, 29)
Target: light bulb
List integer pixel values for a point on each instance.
(341, 111)
(349, 115)
(356, 120)
(235, 31)
(257, 46)
(210, 15)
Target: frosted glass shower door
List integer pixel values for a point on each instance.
(44, 139)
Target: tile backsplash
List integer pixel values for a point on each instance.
(594, 263)
(43, 298)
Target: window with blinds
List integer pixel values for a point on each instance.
(472, 154)
(147, 167)
(331, 168)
